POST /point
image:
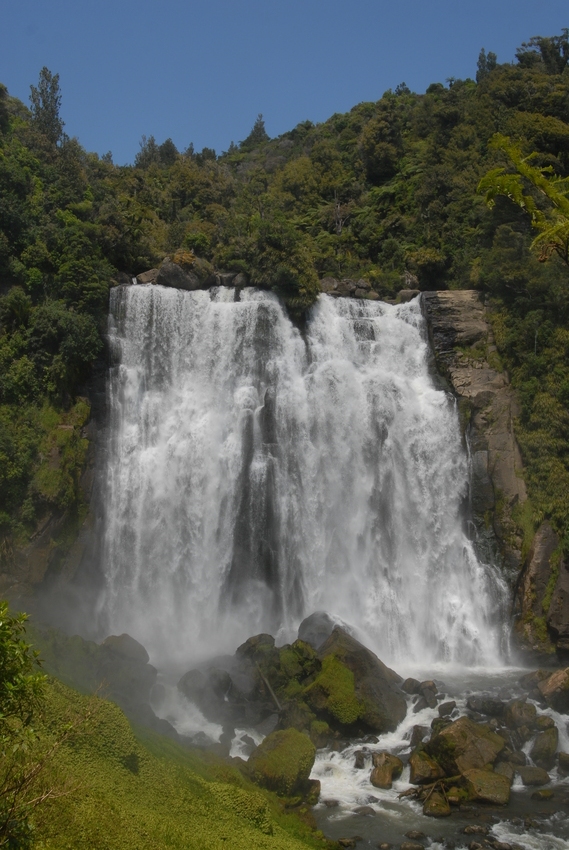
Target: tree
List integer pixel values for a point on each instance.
(551, 53)
(257, 136)
(149, 152)
(21, 697)
(552, 223)
(485, 64)
(46, 103)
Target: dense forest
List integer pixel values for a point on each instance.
(388, 192)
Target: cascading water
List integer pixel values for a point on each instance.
(256, 475)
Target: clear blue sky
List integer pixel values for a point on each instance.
(201, 71)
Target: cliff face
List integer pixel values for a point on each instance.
(465, 355)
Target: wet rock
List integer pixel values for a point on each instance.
(533, 775)
(447, 708)
(411, 686)
(420, 705)
(248, 744)
(487, 786)
(531, 680)
(486, 705)
(417, 735)
(464, 745)
(241, 280)
(282, 762)
(411, 845)
(430, 696)
(359, 762)
(424, 769)
(312, 794)
(383, 845)
(370, 697)
(316, 628)
(365, 810)
(475, 829)
(331, 804)
(436, 806)
(544, 748)
(519, 713)
(405, 295)
(563, 759)
(555, 690)
(440, 723)
(543, 794)
(506, 769)
(415, 835)
(386, 768)
(543, 722)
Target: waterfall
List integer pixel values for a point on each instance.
(256, 474)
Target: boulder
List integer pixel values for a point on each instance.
(486, 705)
(354, 689)
(487, 786)
(411, 686)
(447, 708)
(533, 775)
(185, 271)
(405, 295)
(519, 713)
(424, 769)
(128, 647)
(436, 805)
(147, 277)
(464, 745)
(386, 768)
(506, 769)
(543, 722)
(282, 762)
(563, 762)
(241, 280)
(418, 734)
(544, 748)
(317, 628)
(555, 690)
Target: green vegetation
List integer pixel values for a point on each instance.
(387, 192)
(334, 691)
(74, 774)
(283, 761)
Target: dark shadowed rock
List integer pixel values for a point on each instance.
(184, 271)
(486, 705)
(316, 628)
(417, 735)
(519, 713)
(447, 708)
(411, 686)
(544, 748)
(128, 647)
(147, 277)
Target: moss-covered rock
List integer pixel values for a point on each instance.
(362, 692)
(464, 745)
(436, 805)
(282, 762)
(424, 769)
(487, 786)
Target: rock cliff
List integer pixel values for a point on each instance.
(466, 357)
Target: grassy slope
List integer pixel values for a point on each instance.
(138, 790)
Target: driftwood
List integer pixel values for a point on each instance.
(420, 790)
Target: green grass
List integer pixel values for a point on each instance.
(134, 789)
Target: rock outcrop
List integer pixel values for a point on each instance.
(465, 355)
(282, 762)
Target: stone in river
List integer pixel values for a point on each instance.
(424, 769)
(488, 786)
(436, 806)
(386, 768)
(519, 713)
(533, 775)
(544, 748)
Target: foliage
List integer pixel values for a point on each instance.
(21, 697)
(553, 224)
(387, 191)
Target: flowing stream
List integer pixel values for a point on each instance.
(257, 473)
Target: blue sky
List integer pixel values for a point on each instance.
(201, 71)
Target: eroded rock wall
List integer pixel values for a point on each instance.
(465, 355)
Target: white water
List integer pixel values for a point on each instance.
(255, 476)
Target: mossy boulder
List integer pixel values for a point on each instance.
(424, 769)
(436, 805)
(533, 775)
(282, 762)
(486, 786)
(355, 690)
(464, 745)
(519, 713)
